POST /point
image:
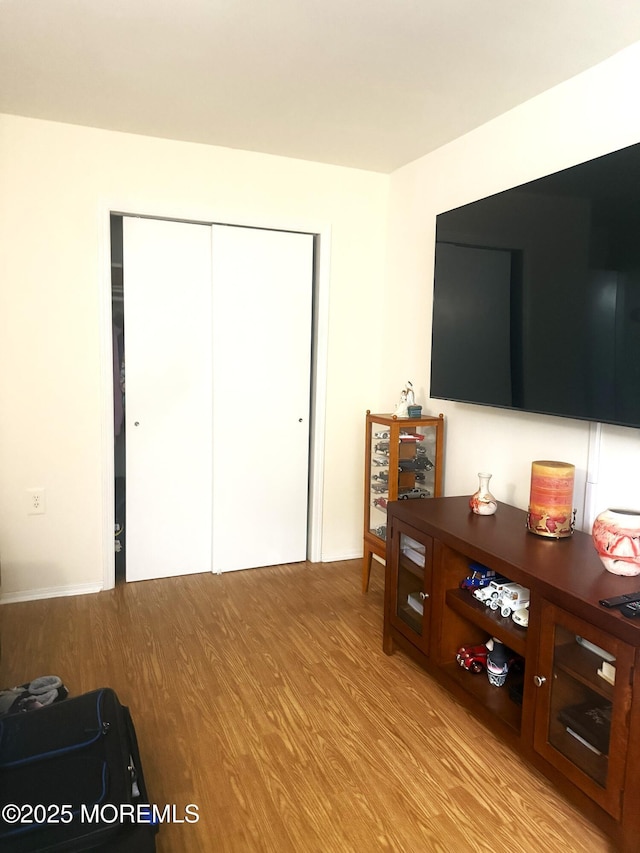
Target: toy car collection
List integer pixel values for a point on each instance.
(511, 599)
(500, 594)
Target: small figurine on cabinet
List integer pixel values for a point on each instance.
(498, 663)
(401, 409)
(407, 398)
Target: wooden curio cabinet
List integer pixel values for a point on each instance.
(403, 461)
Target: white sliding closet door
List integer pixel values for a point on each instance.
(167, 303)
(262, 321)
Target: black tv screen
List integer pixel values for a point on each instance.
(536, 302)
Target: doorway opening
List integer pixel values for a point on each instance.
(119, 441)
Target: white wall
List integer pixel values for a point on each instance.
(56, 183)
(588, 116)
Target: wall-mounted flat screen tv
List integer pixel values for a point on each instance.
(536, 301)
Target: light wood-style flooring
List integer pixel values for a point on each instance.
(264, 698)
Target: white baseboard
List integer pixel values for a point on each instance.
(49, 592)
(335, 558)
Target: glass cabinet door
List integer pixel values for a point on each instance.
(583, 699)
(402, 467)
(380, 439)
(411, 578)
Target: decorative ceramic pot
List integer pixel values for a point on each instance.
(551, 510)
(483, 502)
(616, 535)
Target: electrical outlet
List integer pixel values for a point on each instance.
(36, 501)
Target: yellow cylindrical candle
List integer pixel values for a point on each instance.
(551, 499)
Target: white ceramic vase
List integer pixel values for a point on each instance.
(616, 535)
(483, 502)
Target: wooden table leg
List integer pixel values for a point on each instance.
(366, 567)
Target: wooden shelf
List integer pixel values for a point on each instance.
(412, 618)
(582, 664)
(595, 766)
(495, 699)
(407, 565)
(512, 635)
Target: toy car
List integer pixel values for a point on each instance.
(478, 577)
(513, 597)
(423, 463)
(410, 494)
(485, 594)
(411, 436)
(382, 447)
(421, 451)
(474, 658)
(521, 616)
(382, 434)
(381, 503)
(495, 588)
(420, 463)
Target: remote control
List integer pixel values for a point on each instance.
(631, 610)
(618, 600)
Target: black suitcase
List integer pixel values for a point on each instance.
(71, 779)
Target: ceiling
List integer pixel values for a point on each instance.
(371, 85)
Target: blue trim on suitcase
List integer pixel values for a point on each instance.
(63, 750)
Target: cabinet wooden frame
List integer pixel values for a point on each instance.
(566, 580)
(373, 543)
